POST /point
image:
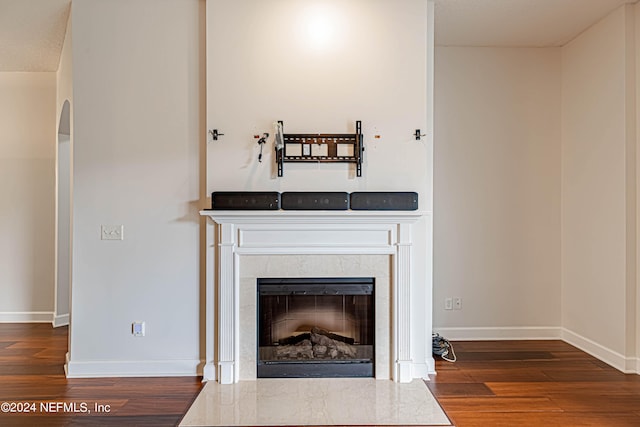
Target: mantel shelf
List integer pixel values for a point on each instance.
(290, 216)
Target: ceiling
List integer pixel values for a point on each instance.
(32, 31)
(517, 23)
(32, 34)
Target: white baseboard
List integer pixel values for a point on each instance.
(60, 320)
(628, 365)
(209, 372)
(138, 368)
(422, 370)
(501, 333)
(26, 316)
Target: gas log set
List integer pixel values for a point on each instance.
(316, 344)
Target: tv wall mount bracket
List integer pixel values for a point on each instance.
(321, 148)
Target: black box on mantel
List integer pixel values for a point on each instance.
(384, 201)
(315, 200)
(245, 200)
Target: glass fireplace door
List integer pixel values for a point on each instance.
(316, 327)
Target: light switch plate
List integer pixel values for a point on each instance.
(112, 232)
(448, 303)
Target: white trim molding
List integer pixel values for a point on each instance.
(301, 233)
(127, 368)
(60, 320)
(628, 365)
(501, 333)
(26, 317)
(423, 370)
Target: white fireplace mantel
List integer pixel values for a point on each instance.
(236, 233)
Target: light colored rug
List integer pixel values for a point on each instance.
(317, 401)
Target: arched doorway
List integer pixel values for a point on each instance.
(62, 306)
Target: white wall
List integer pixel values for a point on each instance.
(64, 93)
(63, 231)
(536, 191)
(27, 144)
(497, 192)
(596, 176)
(263, 65)
(137, 136)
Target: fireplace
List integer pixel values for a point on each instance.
(315, 327)
(243, 246)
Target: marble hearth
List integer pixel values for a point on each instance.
(245, 245)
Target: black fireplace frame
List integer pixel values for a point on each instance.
(316, 286)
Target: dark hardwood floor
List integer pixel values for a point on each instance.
(31, 370)
(533, 383)
(503, 383)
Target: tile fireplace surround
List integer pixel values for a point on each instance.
(280, 243)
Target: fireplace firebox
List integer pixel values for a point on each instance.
(316, 327)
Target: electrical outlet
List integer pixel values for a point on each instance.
(448, 303)
(457, 303)
(112, 232)
(137, 329)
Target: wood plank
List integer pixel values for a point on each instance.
(528, 419)
(452, 376)
(506, 365)
(459, 389)
(499, 374)
(39, 342)
(11, 353)
(503, 355)
(590, 375)
(595, 403)
(151, 407)
(89, 420)
(499, 404)
(590, 388)
(34, 369)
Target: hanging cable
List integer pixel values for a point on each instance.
(261, 143)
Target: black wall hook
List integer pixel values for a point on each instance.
(214, 134)
(419, 135)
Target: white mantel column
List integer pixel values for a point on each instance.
(209, 370)
(402, 294)
(228, 307)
